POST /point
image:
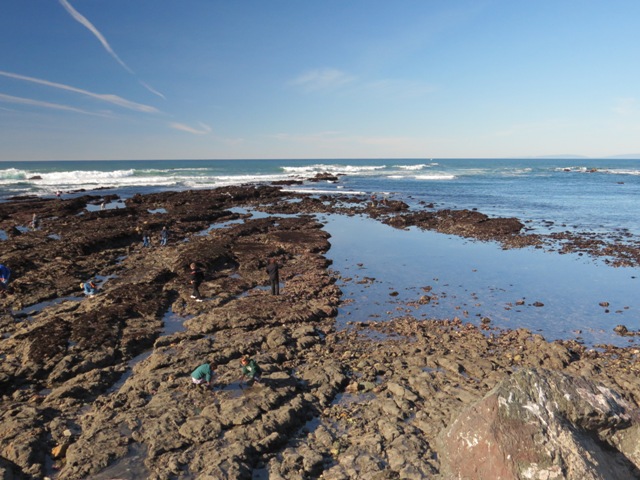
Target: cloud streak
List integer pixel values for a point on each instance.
(109, 98)
(38, 103)
(82, 20)
(322, 79)
(203, 130)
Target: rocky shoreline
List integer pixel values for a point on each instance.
(99, 388)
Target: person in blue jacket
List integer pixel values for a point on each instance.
(5, 275)
(89, 288)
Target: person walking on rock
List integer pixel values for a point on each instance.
(146, 240)
(274, 276)
(195, 279)
(164, 235)
(203, 375)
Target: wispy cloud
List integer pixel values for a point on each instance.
(39, 103)
(82, 20)
(322, 79)
(625, 106)
(329, 79)
(202, 130)
(109, 98)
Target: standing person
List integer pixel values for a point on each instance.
(34, 222)
(195, 278)
(5, 275)
(146, 240)
(164, 235)
(203, 374)
(274, 276)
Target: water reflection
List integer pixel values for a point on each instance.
(556, 295)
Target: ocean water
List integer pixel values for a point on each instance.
(470, 279)
(592, 195)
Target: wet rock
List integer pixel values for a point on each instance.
(621, 330)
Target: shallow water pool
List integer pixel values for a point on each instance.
(387, 271)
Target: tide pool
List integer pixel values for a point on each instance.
(471, 279)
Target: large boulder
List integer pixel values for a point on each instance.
(540, 424)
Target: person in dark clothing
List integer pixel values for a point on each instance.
(5, 275)
(274, 276)
(164, 236)
(195, 278)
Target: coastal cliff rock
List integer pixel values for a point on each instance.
(542, 424)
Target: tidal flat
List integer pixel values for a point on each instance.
(392, 328)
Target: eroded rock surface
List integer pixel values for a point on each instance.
(541, 424)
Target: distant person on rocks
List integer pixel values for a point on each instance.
(146, 240)
(5, 275)
(274, 276)
(196, 276)
(89, 288)
(59, 194)
(34, 222)
(251, 371)
(203, 375)
(164, 236)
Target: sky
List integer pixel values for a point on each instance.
(285, 79)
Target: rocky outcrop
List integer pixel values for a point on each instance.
(99, 387)
(542, 424)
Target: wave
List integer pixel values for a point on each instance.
(611, 171)
(624, 172)
(442, 176)
(334, 169)
(14, 174)
(412, 167)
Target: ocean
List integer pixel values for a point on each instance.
(470, 279)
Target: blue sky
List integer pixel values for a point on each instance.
(209, 79)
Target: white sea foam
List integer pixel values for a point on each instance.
(435, 177)
(624, 172)
(612, 171)
(411, 167)
(335, 169)
(323, 192)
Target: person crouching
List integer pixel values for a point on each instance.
(251, 371)
(203, 375)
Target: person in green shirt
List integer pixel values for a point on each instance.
(250, 370)
(203, 375)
